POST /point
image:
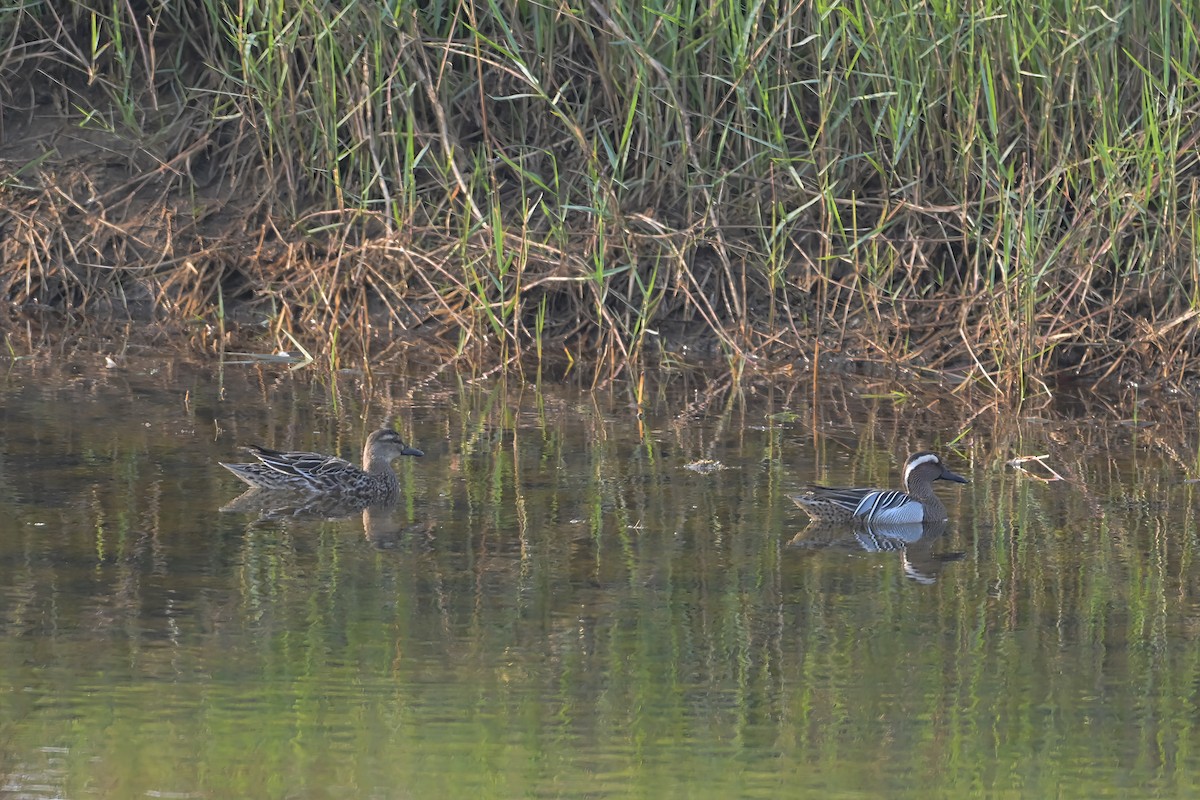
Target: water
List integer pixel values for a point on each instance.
(561, 607)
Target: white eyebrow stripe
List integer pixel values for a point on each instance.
(929, 458)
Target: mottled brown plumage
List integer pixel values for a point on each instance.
(315, 473)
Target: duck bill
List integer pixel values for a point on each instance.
(947, 475)
(411, 451)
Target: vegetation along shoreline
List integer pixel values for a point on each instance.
(1008, 195)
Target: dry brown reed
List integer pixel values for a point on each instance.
(844, 189)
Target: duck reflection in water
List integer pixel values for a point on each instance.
(914, 542)
(382, 527)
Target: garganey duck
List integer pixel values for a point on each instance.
(917, 503)
(314, 473)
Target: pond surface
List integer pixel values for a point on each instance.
(578, 597)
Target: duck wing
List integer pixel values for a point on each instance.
(301, 464)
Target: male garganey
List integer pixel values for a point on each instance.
(917, 503)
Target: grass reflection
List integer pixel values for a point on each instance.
(561, 607)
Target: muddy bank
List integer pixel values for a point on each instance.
(352, 183)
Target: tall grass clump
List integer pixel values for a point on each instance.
(1004, 192)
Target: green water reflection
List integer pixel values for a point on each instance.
(560, 608)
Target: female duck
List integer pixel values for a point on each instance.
(314, 473)
(916, 504)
